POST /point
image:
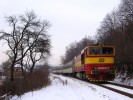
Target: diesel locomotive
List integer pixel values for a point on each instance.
(95, 63)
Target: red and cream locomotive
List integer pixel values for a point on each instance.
(95, 63)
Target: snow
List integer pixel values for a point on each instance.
(65, 88)
(123, 79)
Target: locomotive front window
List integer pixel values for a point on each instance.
(101, 50)
(95, 51)
(107, 50)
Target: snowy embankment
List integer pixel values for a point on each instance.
(123, 79)
(64, 88)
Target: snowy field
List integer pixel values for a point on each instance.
(64, 88)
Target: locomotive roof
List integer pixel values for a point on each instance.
(99, 45)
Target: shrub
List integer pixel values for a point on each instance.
(38, 79)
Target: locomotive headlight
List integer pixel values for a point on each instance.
(94, 71)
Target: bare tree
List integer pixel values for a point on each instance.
(75, 48)
(116, 29)
(26, 40)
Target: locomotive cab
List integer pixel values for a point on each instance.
(99, 63)
(101, 51)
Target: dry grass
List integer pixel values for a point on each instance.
(38, 79)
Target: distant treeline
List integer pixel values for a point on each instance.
(75, 48)
(115, 29)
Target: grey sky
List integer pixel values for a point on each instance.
(71, 19)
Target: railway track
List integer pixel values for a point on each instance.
(107, 86)
(121, 85)
(130, 95)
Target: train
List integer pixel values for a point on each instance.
(94, 63)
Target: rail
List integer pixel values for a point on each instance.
(112, 89)
(121, 85)
(116, 90)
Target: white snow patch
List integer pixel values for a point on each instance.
(123, 79)
(64, 88)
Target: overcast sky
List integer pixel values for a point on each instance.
(71, 20)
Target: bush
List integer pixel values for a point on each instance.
(38, 79)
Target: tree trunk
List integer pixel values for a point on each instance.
(12, 72)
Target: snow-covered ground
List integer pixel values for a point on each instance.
(123, 79)
(64, 88)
